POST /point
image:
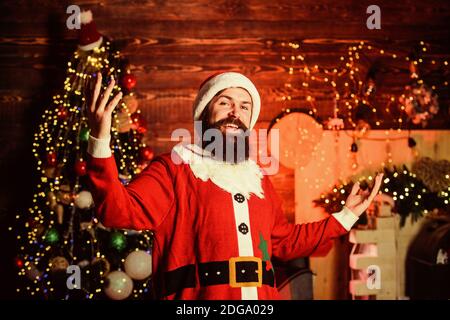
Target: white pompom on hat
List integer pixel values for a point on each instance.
(218, 82)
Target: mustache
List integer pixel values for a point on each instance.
(230, 120)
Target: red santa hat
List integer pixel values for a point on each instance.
(89, 37)
(218, 82)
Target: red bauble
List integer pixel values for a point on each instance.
(146, 153)
(129, 81)
(139, 123)
(62, 113)
(51, 159)
(18, 262)
(80, 167)
(141, 129)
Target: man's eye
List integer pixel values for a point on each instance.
(244, 107)
(223, 103)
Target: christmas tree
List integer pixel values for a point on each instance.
(65, 252)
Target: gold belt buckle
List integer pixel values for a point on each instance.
(232, 268)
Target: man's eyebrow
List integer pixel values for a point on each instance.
(230, 98)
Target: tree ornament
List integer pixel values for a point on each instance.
(354, 147)
(64, 194)
(84, 134)
(124, 122)
(119, 285)
(59, 213)
(138, 265)
(63, 113)
(131, 102)
(84, 200)
(58, 264)
(51, 236)
(118, 241)
(51, 159)
(101, 266)
(32, 272)
(18, 262)
(51, 198)
(129, 81)
(80, 167)
(146, 153)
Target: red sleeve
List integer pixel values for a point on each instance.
(141, 205)
(292, 241)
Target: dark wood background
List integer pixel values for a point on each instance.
(173, 46)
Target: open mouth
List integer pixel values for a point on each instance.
(231, 126)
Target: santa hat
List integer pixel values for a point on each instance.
(218, 82)
(89, 37)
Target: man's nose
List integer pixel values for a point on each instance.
(234, 111)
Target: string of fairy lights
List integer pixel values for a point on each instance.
(60, 225)
(353, 87)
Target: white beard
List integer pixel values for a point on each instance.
(243, 177)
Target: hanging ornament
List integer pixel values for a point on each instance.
(354, 147)
(119, 285)
(118, 241)
(138, 265)
(32, 272)
(51, 200)
(146, 153)
(131, 102)
(123, 121)
(60, 213)
(129, 81)
(80, 167)
(84, 200)
(58, 264)
(51, 236)
(63, 113)
(419, 101)
(84, 134)
(64, 194)
(100, 266)
(36, 227)
(51, 159)
(411, 142)
(18, 262)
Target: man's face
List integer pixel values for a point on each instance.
(231, 103)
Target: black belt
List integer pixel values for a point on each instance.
(237, 272)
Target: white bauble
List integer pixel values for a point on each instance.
(138, 265)
(119, 285)
(84, 200)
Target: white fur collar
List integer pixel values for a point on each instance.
(244, 177)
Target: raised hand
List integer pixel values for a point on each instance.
(100, 110)
(358, 200)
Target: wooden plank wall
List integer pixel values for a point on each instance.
(173, 46)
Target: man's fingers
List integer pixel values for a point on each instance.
(106, 95)
(113, 103)
(376, 187)
(355, 188)
(97, 88)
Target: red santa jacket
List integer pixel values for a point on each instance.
(216, 225)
